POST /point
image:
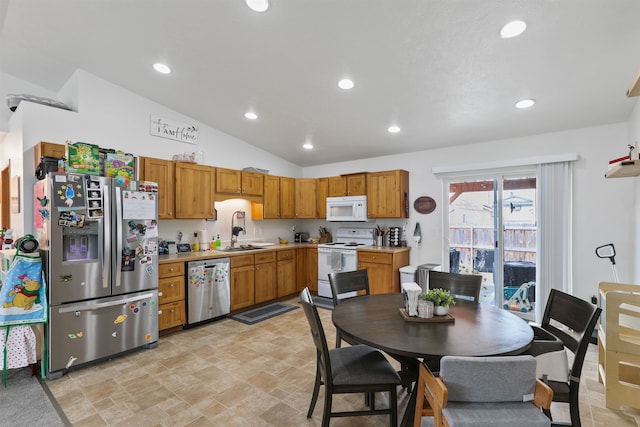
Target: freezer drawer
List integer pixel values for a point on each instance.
(78, 333)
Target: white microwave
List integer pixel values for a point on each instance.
(348, 208)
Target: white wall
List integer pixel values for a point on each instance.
(603, 209)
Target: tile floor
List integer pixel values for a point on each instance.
(231, 374)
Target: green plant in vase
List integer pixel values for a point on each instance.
(441, 299)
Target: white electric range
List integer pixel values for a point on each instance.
(341, 256)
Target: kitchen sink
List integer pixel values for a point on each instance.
(240, 248)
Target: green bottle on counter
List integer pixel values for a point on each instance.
(218, 242)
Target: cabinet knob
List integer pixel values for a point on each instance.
(171, 269)
(171, 285)
(172, 311)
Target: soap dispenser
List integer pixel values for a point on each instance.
(218, 241)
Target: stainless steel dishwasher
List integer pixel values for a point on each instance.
(208, 295)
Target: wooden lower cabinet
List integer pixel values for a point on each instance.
(171, 296)
(242, 282)
(312, 268)
(382, 267)
(287, 272)
(265, 277)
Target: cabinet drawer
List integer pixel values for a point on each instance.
(265, 257)
(170, 270)
(171, 314)
(288, 254)
(241, 261)
(377, 257)
(171, 288)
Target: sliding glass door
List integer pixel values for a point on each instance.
(492, 232)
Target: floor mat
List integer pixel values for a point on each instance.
(256, 315)
(322, 302)
(27, 403)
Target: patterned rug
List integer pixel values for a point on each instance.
(251, 317)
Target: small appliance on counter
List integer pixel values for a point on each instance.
(301, 237)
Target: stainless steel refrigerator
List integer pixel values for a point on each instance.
(99, 245)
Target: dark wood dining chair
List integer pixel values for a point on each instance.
(354, 369)
(347, 282)
(465, 288)
(572, 320)
(358, 281)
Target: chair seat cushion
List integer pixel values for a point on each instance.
(361, 364)
(494, 414)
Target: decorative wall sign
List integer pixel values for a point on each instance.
(171, 129)
(424, 205)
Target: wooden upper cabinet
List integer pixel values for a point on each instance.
(322, 191)
(357, 184)
(348, 185)
(337, 186)
(231, 181)
(49, 149)
(305, 197)
(287, 198)
(271, 197)
(194, 191)
(162, 172)
(228, 181)
(388, 194)
(252, 183)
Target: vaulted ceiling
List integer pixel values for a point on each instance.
(438, 69)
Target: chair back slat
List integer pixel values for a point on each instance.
(348, 281)
(465, 288)
(572, 320)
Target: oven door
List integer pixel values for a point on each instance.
(333, 260)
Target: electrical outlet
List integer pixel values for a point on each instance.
(293, 228)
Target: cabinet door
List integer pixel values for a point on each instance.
(357, 184)
(170, 289)
(380, 277)
(228, 181)
(312, 268)
(286, 277)
(337, 186)
(265, 282)
(305, 198)
(48, 149)
(302, 279)
(252, 184)
(271, 197)
(387, 194)
(171, 315)
(322, 191)
(242, 287)
(194, 191)
(162, 172)
(287, 198)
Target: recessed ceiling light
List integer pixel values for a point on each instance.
(525, 103)
(393, 129)
(258, 5)
(161, 68)
(513, 29)
(346, 84)
(251, 115)
(307, 145)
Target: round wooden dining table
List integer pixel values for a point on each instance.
(477, 330)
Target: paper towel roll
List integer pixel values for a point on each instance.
(203, 236)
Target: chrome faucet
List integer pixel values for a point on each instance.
(235, 230)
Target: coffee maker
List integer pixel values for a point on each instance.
(301, 237)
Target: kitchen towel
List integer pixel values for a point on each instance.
(336, 261)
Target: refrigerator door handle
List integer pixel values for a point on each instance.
(89, 306)
(118, 237)
(106, 221)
